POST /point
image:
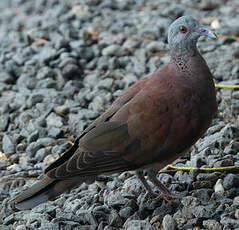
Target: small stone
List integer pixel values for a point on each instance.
(237, 214)
(209, 176)
(126, 212)
(202, 212)
(198, 161)
(236, 200)
(86, 53)
(203, 194)
(101, 213)
(163, 210)
(81, 11)
(211, 224)
(149, 33)
(41, 154)
(61, 109)
(46, 83)
(97, 104)
(132, 186)
(114, 219)
(32, 148)
(115, 199)
(8, 145)
(202, 184)
(227, 221)
(45, 72)
(55, 132)
(21, 147)
(71, 71)
(6, 78)
(169, 223)
(232, 149)
(44, 141)
(4, 119)
(155, 47)
(105, 84)
(91, 79)
(47, 54)
(190, 201)
(231, 181)
(131, 44)
(192, 224)
(20, 227)
(218, 188)
(54, 120)
(114, 50)
(137, 224)
(9, 220)
(33, 137)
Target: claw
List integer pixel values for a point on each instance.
(163, 192)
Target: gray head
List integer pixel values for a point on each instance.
(184, 32)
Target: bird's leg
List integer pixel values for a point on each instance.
(164, 192)
(149, 191)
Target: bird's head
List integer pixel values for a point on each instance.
(184, 32)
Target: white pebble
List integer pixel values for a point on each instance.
(218, 188)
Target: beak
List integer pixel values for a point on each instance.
(206, 33)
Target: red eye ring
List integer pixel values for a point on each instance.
(183, 29)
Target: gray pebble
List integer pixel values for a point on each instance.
(137, 224)
(34, 99)
(114, 219)
(41, 154)
(237, 214)
(45, 72)
(32, 148)
(54, 120)
(33, 136)
(164, 209)
(212, 224)
(55, 132)
(236, 200)
(202, 211)
(114, 50)
(229, 222)
(169, 223)
(126, 212)
(231, 181)
(115, 199)
(21, 147)
(105, 84)
(232, 148)
(97, 104)
(4, 119)
(8, 145)
(62, 109)
(6, 78)
(47, 83)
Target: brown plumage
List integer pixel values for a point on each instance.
(151, 124)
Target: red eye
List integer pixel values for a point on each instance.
(183, 29)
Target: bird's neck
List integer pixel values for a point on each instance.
(182, 57)
(184, 51)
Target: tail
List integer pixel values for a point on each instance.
(44, 190)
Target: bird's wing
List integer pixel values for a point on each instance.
(101, 138)
(100, 151)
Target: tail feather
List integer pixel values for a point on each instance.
(44, 190)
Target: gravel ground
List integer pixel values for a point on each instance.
(62, 63)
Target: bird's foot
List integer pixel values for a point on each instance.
(163, 192)
(158, 195)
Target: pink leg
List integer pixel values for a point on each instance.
(163, 191)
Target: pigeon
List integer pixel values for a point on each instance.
(154, 122)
